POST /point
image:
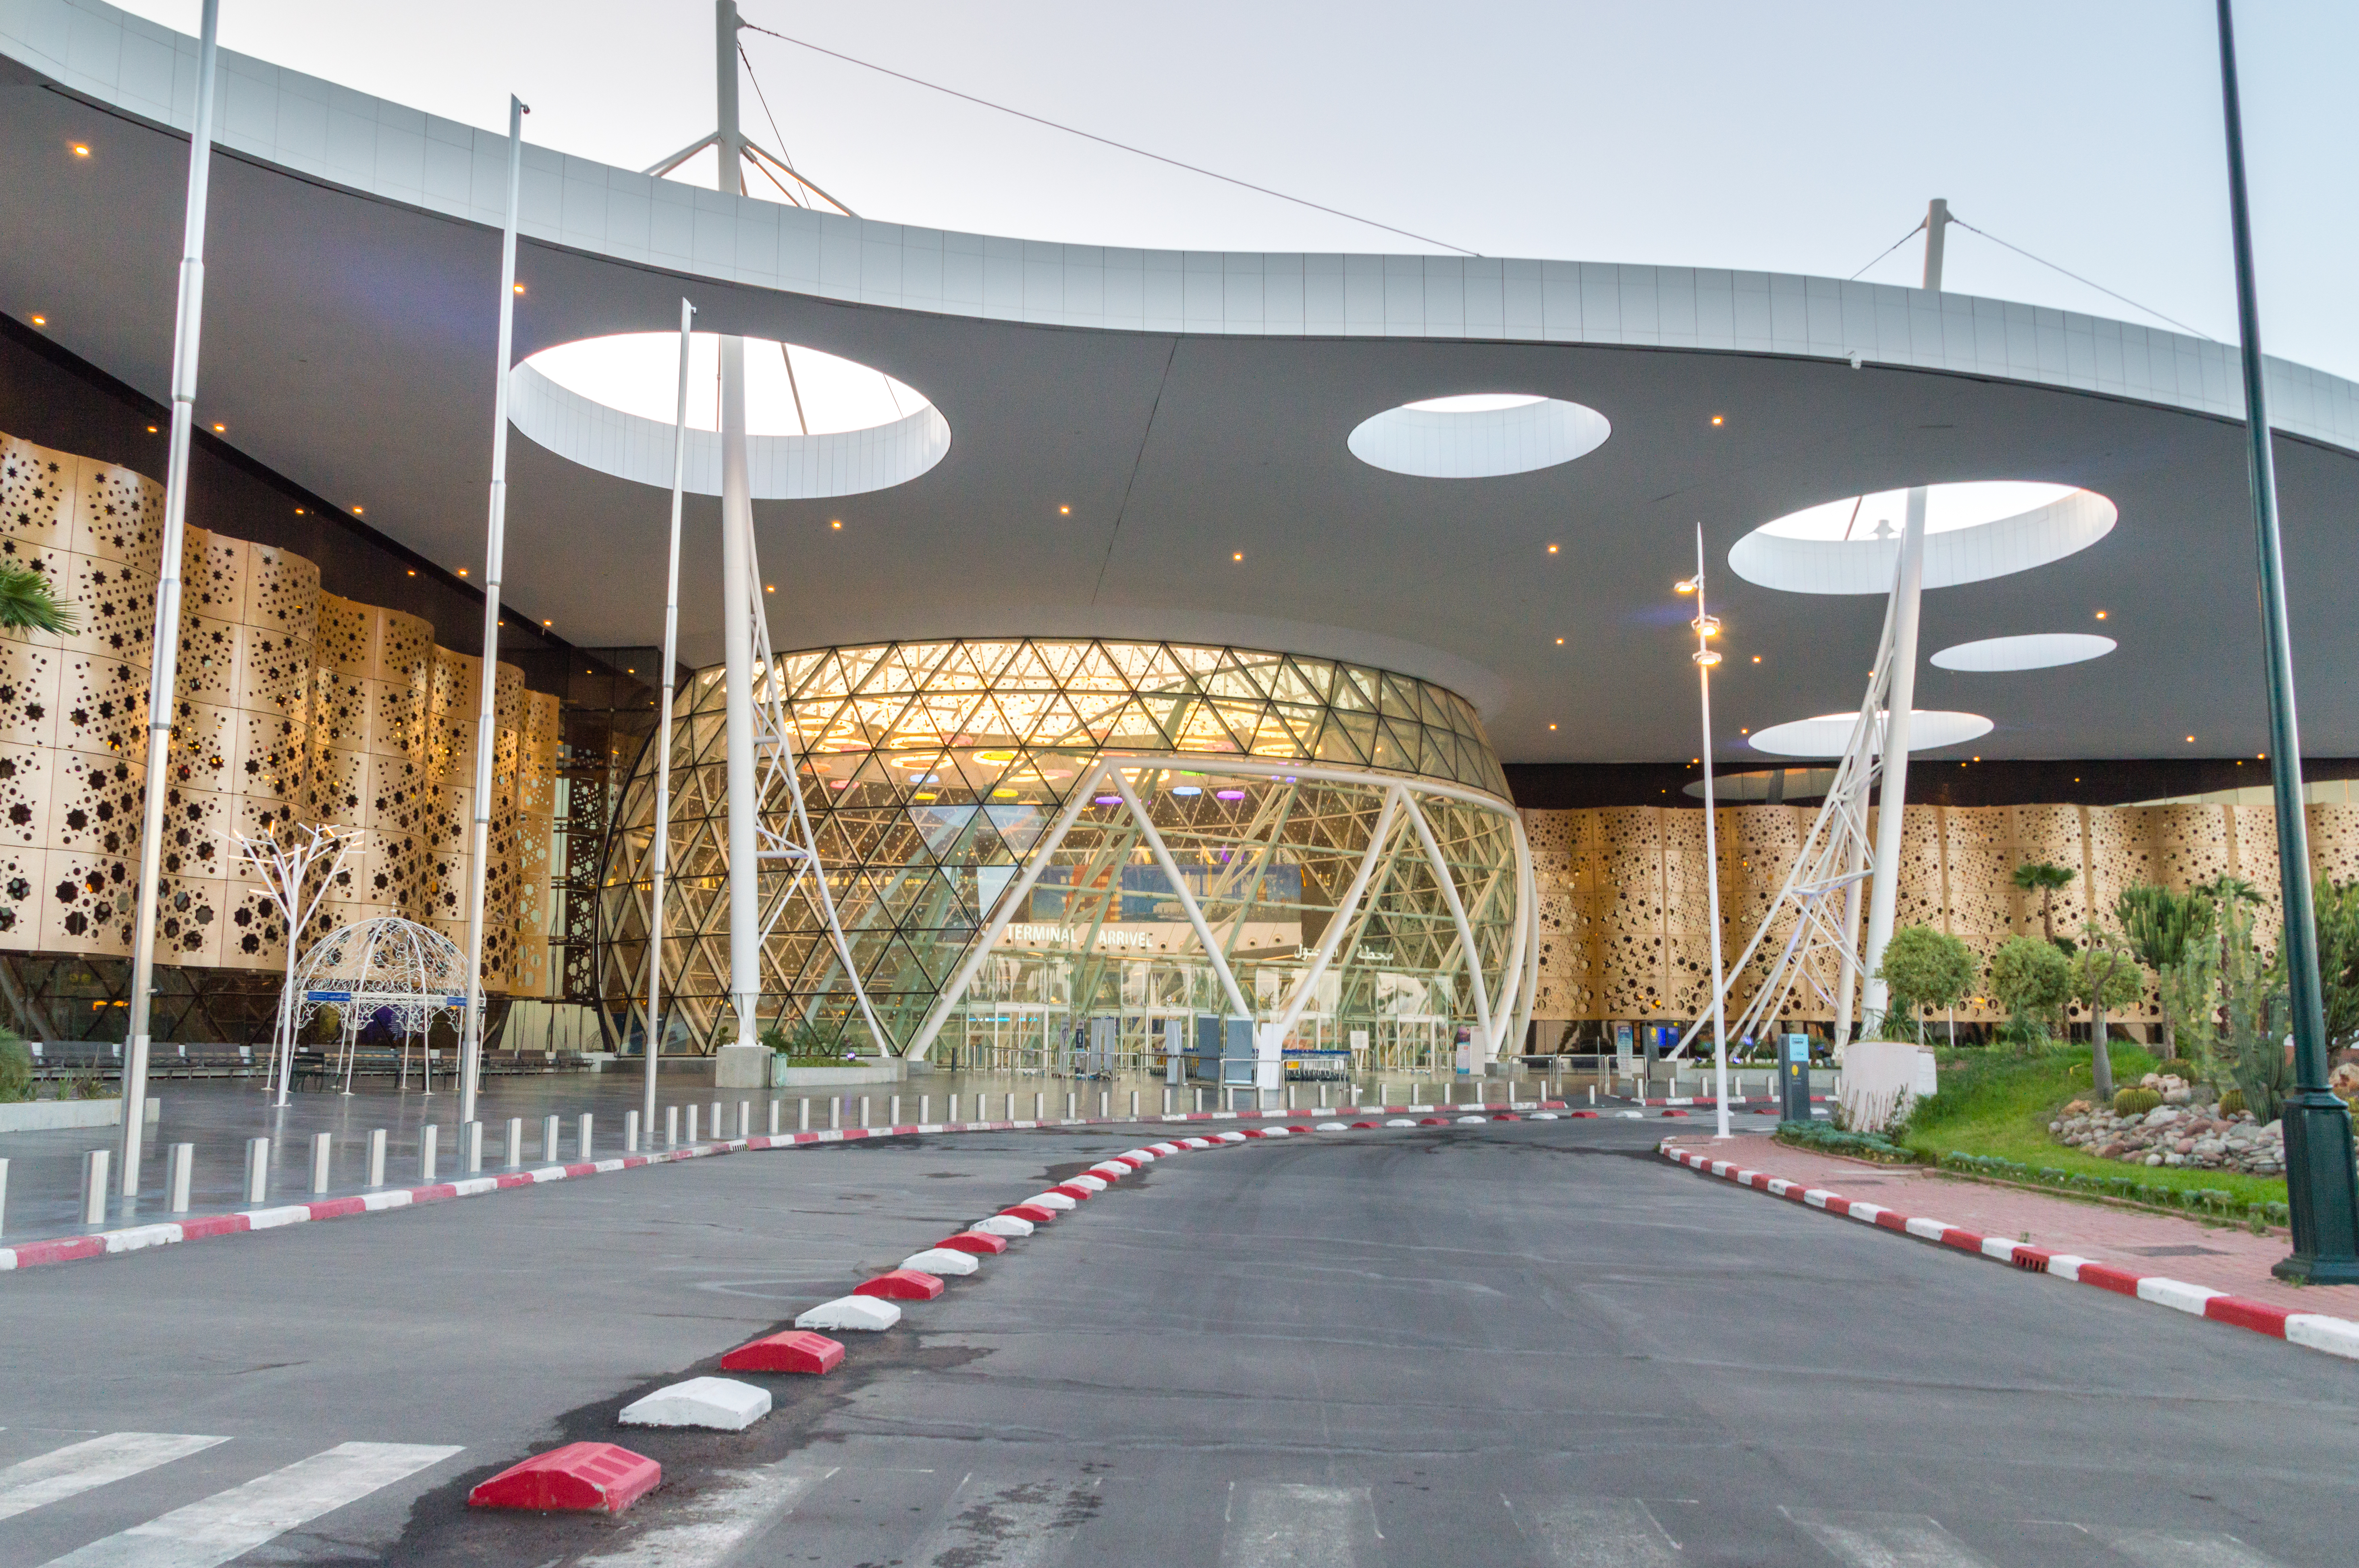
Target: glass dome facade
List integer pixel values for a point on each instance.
(1008, 908)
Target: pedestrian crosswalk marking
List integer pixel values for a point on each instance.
(729, 1511)
(1596, 1532)
(2182, 1549)
(79, 1466)
(1886, 1541)
(212, 1530)
(1009, 1524)
(1280, 1524)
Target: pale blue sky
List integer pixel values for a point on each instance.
(1798, 137)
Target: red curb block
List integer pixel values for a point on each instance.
(796, 1350)
(594, 1476)
(1036, 1213)
(982, 1243)
(901, 1285)
(2317, 1330)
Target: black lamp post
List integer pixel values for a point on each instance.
(2321, 1186)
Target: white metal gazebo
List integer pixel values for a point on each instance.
(386, 965)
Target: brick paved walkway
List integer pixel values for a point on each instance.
(2223, 1257)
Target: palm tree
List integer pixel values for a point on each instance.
(27, 604)
(2044, 878)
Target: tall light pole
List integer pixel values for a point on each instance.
(1705, 656)
(660, 849)
(2322, 1188)
(495, 534)
(163, 673)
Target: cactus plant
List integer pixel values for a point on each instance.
(2135, 1102)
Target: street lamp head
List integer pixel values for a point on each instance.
(1706, 625)
(1685, 585)
(1706, 657)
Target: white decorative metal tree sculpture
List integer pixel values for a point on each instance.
(384, 966)
(295, 877)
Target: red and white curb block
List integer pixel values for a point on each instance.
(602, 1477)
(138, 1237)
(1732, 1104)
(2335, 1335)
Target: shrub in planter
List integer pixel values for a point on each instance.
(15, 1069)
(2135, 1102)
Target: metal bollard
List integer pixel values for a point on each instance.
(1011, 1106)
(376, 1157)
(323, 1157)
(426, 1139)
(835, 1112)
(1106, 1105)
(516, 1142)
(471, 1147)
(257, 1169)
(1133, 1105)
(581, 1136)
(895, 1119)
(803, 1123)
(777, 1117)
(548, 1138)
(1592, 1093)
(630, 1132)
(719, 1126)
(179, 1166)
(863, 1110)
(1199, 1097)
(1167, 1102)
(671, 1127)
(953, 1115)
(925, 1110)
(93, 1187)
(1039, 1106)
(1070, 1113)
(692, 1122)
(3, 1197)
(1323, 1097)
(745, 1118)
(1289, 1096)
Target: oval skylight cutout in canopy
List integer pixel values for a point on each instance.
(1478, 435)
(817, 425)
(2032, 651)
(1929, 729)
(1973, 532)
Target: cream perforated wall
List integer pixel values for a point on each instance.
(1622, 931)
(292, 706)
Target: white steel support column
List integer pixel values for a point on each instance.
(1901, 691)
(1705, 626)
(163, 674)
(996, 920)
(1378, 837)
(1179, 889)
(659, 849)
(736, 575)
(1457, 914)
(470, 1038)
(1528, 911)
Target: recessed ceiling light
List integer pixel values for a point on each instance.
(2101, 615)
(1756, 658)
(1559, 642)
(2190, 739)
(1552, 726)
(151, 429)
(221, 426)
(1551, 549)
(552, 624)
(81, 150)
(298, 512)
(1237, 556)
(39, 320)
(835, 522)
(519, 288)
(1064, 512)
(1716, 418)
(413, 571)
(770, 587)
(463, 571)
(358, 510)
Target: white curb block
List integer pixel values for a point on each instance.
(866, 1314)
(942, 1260)
(1003, 1224)
(722, 1404)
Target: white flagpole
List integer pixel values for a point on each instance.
(661, 847)
(164, 671)
(471, 1041)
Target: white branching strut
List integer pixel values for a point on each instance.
(1820, 901)
(295, 877)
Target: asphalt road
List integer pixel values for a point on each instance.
(1528, 1343)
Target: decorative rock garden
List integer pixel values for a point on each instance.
(2161, 1122)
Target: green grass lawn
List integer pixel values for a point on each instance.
(1997, 1101)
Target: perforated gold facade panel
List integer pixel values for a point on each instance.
(1623, 928)
(292, 706)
